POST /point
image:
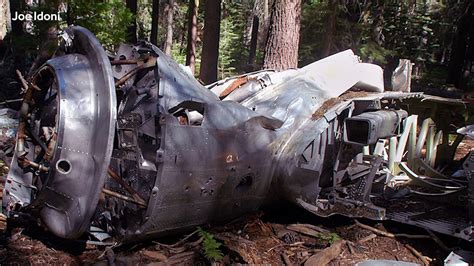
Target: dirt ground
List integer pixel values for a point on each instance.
(262, 238)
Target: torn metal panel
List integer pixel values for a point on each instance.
(180, 154)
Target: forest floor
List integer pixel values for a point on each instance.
(287, 236)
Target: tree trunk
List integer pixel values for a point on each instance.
(192, 34)
(253, 41)
(155, 18)
(4, 18)
(459, 48)
(169, 9)
(210, 48)
(262, 10)
(281, 51)
(17, 25)
(132, 29)
(330, 28)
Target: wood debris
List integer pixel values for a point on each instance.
(326, 255)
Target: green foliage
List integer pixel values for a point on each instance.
(233, 50)
(407, 30)
(144, 19)
(314, 22)
(373, 52)
(381, 31)
(210, 246)
(40, 27)
(312, 30)
(108, 20)
(329, 237)
(422, 31)
(178, 50)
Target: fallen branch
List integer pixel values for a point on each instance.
(438, 241)
(367, 238)
(431, 235)
(25, 84)
(351, 249)
(23, 81)
(326, 255)
(177, 243)
(387, 234)
(287, 245)
(154, 255)
(418, 255)
(305, 229)
(286, 260)
(180, 259)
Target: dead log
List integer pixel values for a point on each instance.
(326, 255)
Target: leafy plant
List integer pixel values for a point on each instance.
(210, 245)
(330, 237)
(108, 20)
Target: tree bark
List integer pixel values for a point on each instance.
(169, 9)
(210, 48)
(4, 18)
(253, 41)
(330, 28)
(458, 50)
(17, 25)
(132, 29)
(281, 51)
(155, 18)
(192, 34)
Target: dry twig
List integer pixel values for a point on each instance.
(286, 260)
(387, 234)
(418, 255)
(349, 246)
(367, 238)
(23, 81)
(438, 241)
(326, 255)
(177, 243)
(432, 236)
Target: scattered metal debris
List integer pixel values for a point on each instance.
(401, 76)
(142, 149)
(459, 258)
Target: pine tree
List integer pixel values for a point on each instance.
(281, 51)
(192, 34)
(210, 48)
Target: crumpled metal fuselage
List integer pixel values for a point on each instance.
(164, 153)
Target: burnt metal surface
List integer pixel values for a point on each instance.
(180, 154)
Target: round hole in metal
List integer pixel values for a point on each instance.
(63, 166)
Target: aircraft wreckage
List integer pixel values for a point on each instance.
(136, 146)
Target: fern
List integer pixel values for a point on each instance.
(210, 246)
(331, 237)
